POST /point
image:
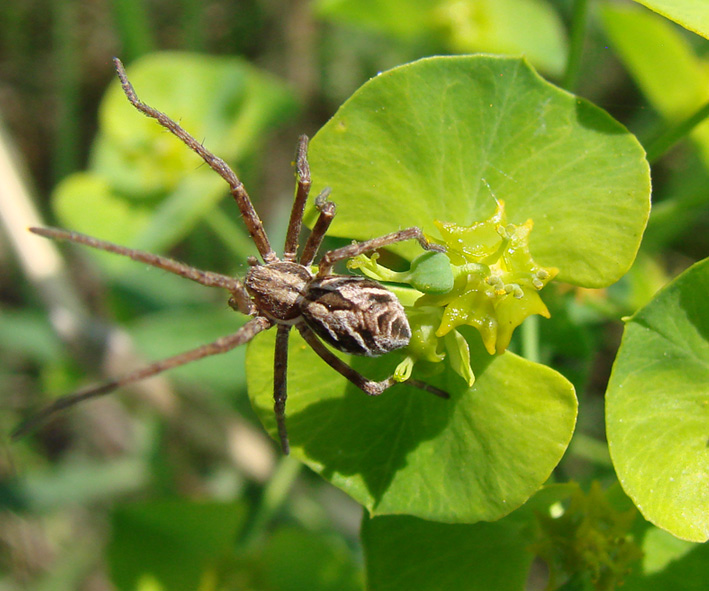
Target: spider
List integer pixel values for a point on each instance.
(352, 314)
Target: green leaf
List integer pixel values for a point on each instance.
(137, 166)
(663, 64)
(518, 27)
(85, 202)
(514, 27)
(170, 544)
(173, 331)
(404, 553)
(429, 141)
(474, 457)
(293, 560)
(669, 563)
(659, 58)
(224, 102)
(178, 213)
(401, 18)
(657, 407)
(691, 14)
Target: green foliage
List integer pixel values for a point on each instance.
(691, 14)
(180, 545)
(657, 408)
(430, 140)
(483, 556)
(505, 435)
(497, 556)
(663, 63)
(134, 163)
(457, 494)
(294, 559)
(588, 542)
(528, 27)
(170, 545)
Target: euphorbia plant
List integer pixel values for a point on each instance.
(441, 144)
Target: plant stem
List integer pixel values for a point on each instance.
(593, 450)
(663, 142)
(133, 27)
(530, 338)
(65, 152)
(274, 494)
(578, 35)
(231, 235)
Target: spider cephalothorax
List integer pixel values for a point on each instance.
(353, 314)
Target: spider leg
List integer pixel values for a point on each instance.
(302, 171)
(368, 386)
(327, 213)
(357, 248)
(208, 278)
(280, 391)
(248, 213)
(221, 345)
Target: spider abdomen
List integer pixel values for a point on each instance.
(355, 315)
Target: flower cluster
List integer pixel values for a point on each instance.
(487, 280)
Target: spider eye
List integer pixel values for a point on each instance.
(356, 315)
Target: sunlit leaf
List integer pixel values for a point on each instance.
(657, 407)
(515, 27)
(430, 140)
(474, 457)
(663, 63)
(691, 14)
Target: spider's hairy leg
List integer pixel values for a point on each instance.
(208, 278)
(370, 387)
(353, 250)
(280, 391)
(327, 213)
(302, 172)
(221, 345)
(248, 213)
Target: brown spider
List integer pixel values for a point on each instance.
(353, 314)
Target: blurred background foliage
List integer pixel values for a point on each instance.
(176, 473)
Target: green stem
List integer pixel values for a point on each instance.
(133, 26)
(470, 269)
(231, 235)
(578, 34)
(663, 142)
(530, 338)
(65, 152)
(274, 495)
(591, 449)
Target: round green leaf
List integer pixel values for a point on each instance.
(430, 141)
(657, 407)
(474, 457)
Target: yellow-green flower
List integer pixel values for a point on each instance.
(496, 281)
(487, 279)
